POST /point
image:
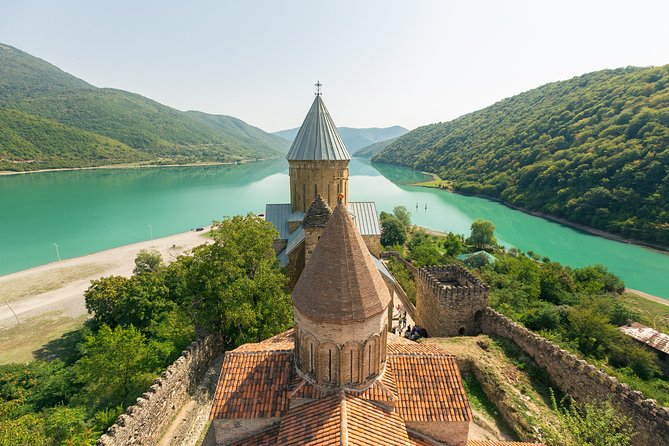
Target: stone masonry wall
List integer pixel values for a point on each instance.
(449, 309)
(584, 382)
(145, 422)
(310, 178)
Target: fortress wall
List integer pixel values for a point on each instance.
(583, 381)
(452, 309)
(146, 422)
(388, 254)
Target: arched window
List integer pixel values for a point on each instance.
(350, 363)
(327, 364)
(372, 347)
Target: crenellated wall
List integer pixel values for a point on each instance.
(583, 381)
(449, 301)
(146, 422)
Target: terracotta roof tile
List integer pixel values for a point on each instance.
(429, 388)
(329, 420)
(411, 347)
(253, 385)
(263, 438)
(340, 266)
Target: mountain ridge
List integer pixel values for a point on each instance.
(593, 150)
(143, 128)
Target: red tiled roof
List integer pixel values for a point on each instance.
(420, 381)
(330, 420)
(263, 438)
(429, 388)
(412, 347)
(253, 385)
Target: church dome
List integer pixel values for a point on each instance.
(341, 283)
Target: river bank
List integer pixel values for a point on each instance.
(436, 182)
(132, 166)
(40, 304)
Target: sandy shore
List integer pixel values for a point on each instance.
(641, 294)
(59, 288)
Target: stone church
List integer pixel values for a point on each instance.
(338, 377)
(318, 168)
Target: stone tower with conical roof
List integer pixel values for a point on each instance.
(341, 310)
(318, 160)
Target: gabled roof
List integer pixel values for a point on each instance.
(366, 218)
(340, 283)
(278, 215)
(649, 336)
(318, 138)
(342, 419)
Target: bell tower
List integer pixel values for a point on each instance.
(317, 160)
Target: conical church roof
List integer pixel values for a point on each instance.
(340, 282)
(318, 138)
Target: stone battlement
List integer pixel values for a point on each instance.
(449, 300)
(452, 282)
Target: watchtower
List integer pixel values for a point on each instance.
(449, 301)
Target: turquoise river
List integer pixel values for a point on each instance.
(85, 211)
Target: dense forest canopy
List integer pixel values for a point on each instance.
(81, 125)
(593, 150)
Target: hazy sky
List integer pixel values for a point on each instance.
(381, 62)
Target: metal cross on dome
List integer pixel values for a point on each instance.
(318, 86)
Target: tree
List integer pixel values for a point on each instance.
(392, 231)
(404, 216)
(483, 234)
(453, 244)
(116, 365)
(147, 262)
(103, 298)
(137, 301)
(235, 285)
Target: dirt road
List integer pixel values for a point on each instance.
(55, 292)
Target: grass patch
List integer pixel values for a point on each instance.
(539, 378)
(481, 403)
(652, 314)
(30, 339)
(33, 284)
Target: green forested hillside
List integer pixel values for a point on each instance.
(131, 121)
(29, 142)
(372, 149)
(593, 150)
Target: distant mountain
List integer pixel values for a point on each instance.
(593, 150)
(111, 120)
(372, 149)
(354, 138)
